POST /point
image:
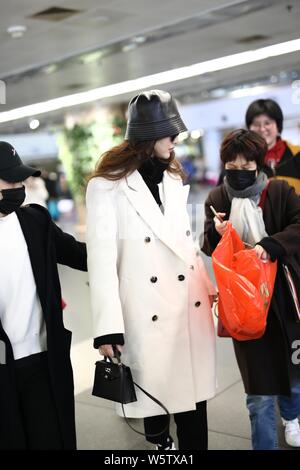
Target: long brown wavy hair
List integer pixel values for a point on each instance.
(122, 160)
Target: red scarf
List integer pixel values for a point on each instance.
(274, 155)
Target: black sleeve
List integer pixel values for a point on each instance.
(117, 338)
(211, 236)
(273, 248)
(69, 251)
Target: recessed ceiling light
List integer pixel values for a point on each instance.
(139, 39)
(16, 31)
(129, 47)
(34, 124)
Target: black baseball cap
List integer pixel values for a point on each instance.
(12, 169)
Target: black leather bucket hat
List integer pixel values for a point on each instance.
(153, 115)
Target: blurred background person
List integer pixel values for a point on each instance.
(36, 192)
(282, 159)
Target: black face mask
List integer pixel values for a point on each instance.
(12, 199)
(240, 179)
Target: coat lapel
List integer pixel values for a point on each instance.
(163, 225)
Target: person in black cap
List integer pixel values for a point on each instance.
(150, 291)
(36, 383)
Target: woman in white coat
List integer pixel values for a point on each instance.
(151, 295)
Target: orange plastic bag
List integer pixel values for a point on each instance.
(245, 286)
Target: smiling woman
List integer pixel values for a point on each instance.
(282, 160)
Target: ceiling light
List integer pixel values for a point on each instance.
(129, 47)
(50, 69)
(91, 57)
(249, 91)
(16, 31)
(196, 134)
(169, 76)
(34, 124)
(139, 39)
(183, 136)
(218, 93)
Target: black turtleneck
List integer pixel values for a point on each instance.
(152, 171)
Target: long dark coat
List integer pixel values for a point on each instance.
(266, 363)
(47, 246)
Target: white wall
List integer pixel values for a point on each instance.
(33, 146)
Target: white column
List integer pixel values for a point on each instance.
(212, 139)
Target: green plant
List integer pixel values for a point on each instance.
(81, 147)
(77, 146)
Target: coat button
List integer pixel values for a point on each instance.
(188, 233)
(154, 318)
(197, 253)
(153, 279)
(197, 304)
(192, 266)
(181, 277)
(147, 240)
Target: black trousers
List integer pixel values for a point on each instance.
(37, 411)
(191, 428)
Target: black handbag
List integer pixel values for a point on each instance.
(113, 381)
(107, 382)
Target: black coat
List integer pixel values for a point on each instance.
(265, 364)
(47, 246)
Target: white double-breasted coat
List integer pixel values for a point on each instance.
(148, 282)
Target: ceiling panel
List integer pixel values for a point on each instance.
(51, 59)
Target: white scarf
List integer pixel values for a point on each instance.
(245, 215)
(247, 219)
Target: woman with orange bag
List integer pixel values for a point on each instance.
(267, 365)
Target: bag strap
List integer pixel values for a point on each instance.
(166, 428)
(292, 289)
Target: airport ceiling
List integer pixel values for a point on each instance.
(71, 46)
